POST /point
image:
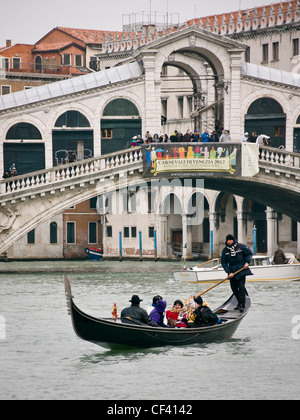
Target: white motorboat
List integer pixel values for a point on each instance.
(262, 267)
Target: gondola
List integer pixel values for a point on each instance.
(111, 334)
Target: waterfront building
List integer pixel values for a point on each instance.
(206, 74)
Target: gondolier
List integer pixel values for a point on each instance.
(234, 257)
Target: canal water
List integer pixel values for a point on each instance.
(42, 358)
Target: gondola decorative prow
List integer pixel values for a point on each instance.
(68, 293)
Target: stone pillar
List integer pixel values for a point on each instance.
(152, 121)
(271, 231)
(162, 237)
(186, 238)
(233, 94)
(242, 227)
(214, 251)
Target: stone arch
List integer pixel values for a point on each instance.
(72, 118)
(217, 57)
(29, 119)
(110, 96)
(56, 112)
(218, 54)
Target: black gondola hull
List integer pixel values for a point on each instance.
(110, 334)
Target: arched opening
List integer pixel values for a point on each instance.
(198, 104)
(119, 123)
(24, 149)
(53, 233)
(226, 215)
(38, 64)
(72, 138)
(266, 116)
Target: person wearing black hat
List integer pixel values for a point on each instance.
(134, 314)
(203, 315)
(236, 256)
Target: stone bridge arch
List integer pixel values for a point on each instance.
(224, 56)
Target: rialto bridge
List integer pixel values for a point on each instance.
(31, 199)
(99, 113)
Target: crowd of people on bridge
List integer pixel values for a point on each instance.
(195, 136)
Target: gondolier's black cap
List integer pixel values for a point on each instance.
(198, 300)
(135, 299)
(230, 238)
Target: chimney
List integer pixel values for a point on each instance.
(8, 43)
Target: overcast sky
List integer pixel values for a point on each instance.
(27, 21)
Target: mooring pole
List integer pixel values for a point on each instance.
(254, 239)
(155, 246)
(120, 246)
(141, 246)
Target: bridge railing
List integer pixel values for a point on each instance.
(77, 169)
(279, 157)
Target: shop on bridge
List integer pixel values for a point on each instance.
(120, 122)
(24, 149)
(72, 134)
(266, 116)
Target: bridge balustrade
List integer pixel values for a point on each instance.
(279, 157)
(74, 170)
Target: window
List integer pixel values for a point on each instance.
(66, 60)
(53, 233)
(38, 63)
(295, 46)
(130, 231)
(265, 53)
(71, 233)
(92, 232)
(279, 131)
(180, 107)
(247, 55)
(107, 133)
(5, 63)
(72, 119)
(109, 231)
(151, 231)
(78, 60)
(164, 109)
(23, 131)
(31, 237)
(93, 203)
(275, 51)
(5, 90)
(16, 63)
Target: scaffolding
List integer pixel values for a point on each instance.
(134, 22)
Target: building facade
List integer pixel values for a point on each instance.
(204, 73)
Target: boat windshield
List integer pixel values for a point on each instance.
(256, 261)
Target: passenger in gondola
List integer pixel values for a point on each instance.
(134, 314)
(154, 303)
(157, 314)
(175, 316)
(203, 316)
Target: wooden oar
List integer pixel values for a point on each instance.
(222, 281)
